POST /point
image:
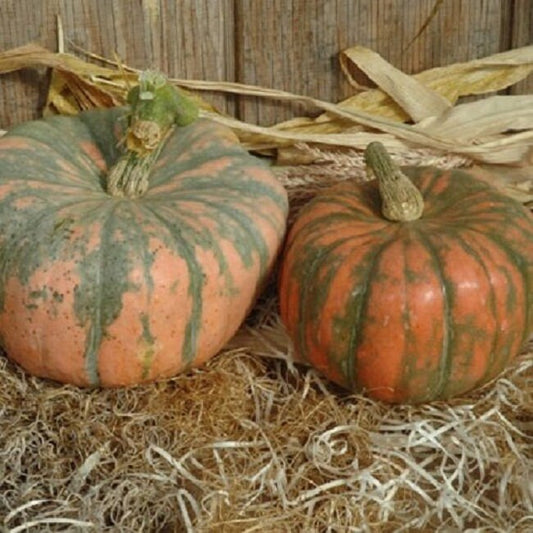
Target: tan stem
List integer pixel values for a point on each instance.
(401, 200)
(129, 176)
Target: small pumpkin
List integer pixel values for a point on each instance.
(113, 284)
(409, 308)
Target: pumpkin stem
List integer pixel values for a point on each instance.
(156, 107)
(401, 201)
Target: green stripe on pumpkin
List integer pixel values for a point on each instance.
(447, 349)
(356, 312)
(516, 259)
(304, 270)
(481, 260)
(104, 279)
(185, 249)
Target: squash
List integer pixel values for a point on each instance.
(409, 308)
(133, 241)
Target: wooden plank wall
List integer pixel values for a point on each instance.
(286, 44)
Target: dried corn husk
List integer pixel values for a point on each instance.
(495, 130)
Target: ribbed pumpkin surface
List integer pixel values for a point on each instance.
(99, 290)
(410, 311)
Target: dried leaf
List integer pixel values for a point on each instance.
(272, 136)
(476, 120)
(32, 55)
(58, 100)
(69, 93)
(417, 100)
(369, 115)
(480, 76)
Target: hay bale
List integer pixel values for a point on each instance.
(247, 444)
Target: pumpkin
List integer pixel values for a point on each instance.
(102, 287)
(409, 308)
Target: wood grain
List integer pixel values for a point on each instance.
(184, 38)
(22, 93)
(286, 44)
(522, 35)
(293, 44)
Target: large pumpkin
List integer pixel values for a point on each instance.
(409, 310)
(101, 289)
